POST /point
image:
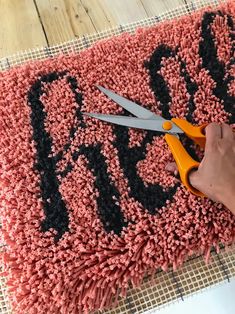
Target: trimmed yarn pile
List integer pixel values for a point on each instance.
(87, 207)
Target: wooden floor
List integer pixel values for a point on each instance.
(35, 23)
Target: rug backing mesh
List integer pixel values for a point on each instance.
(194, 275)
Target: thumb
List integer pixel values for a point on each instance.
(194, 179)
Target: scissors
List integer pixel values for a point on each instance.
(147, 120)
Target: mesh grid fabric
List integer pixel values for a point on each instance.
(181, 282)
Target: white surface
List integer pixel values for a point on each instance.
(215, 300)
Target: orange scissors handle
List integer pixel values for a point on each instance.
(184, 161)
(196, 133)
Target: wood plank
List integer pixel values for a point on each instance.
(66, 19)
(55, 17)
(157, 7)
(124, 11)
(20, 27)
(25, 23)
(96, 10)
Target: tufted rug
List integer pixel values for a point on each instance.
(87, 208)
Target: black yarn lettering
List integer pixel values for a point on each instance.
(110, 213)
(54, 207)
(159, 86)
(162, 93)
(53, 204)
(152, 197)
(216, 68)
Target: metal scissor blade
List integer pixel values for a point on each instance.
(145, 124)
(129, 105)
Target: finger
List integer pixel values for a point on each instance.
(213, 133)
(171, 167)
(194, 179)
(227, 132)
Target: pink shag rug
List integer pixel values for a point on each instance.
(87, 207)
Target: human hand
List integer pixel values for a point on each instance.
(215, 176)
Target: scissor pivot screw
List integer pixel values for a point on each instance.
(167, 125)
